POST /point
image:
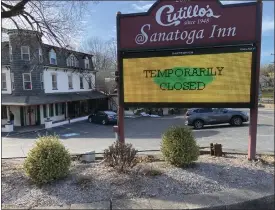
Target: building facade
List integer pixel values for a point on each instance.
(42, 82)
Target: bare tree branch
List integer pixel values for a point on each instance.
(58, 21)
(104, 53)
(14, 22)
(267, 76)
(14, 10)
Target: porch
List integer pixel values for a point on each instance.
(35, 111)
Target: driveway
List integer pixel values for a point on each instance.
(145, 134)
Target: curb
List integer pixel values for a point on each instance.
(7, 134)
(255, 197)
(149, 152)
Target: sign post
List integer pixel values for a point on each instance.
(191, 54)
(254, 110)
(120, 90)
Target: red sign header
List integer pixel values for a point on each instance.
(179, 23)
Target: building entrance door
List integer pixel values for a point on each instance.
(31, 115)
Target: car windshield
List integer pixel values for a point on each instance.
(110, 113)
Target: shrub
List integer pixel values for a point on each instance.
(179, 147)
(47, 161)
(120, 156)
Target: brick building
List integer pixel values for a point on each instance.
(41, 81)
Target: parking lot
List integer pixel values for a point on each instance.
(145, 134)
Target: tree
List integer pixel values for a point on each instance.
(267, 76)
(57, 21)
(104, 53)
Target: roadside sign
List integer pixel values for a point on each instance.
(188, 53)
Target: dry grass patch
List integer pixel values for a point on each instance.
(267, 159)
(83, 181)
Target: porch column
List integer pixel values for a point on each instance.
(48, 110)
(8, 113)
(66, 111)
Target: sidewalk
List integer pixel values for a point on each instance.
(254, 197)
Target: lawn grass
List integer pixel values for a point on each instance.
(267, 94)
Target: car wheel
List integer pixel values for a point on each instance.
(236, 121)
(90, 119)
(198, 124)
(103, 122)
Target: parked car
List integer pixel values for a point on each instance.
(198, 117)
(103, 117)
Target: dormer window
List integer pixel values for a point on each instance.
(52, 55)
(25, 53)
(72, 61)
(40, 55)
(10, 53)
(87, 62)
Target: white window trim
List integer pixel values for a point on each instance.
(42, 81)
(72, 61)
(81, 77)
(10, 52)
(12, 81)
(27, 81)
(56, 88)
(70, 88)
(51, 53)
(87, 61)
(25, 53)
(90, 82)
(40, 55)
(3, 81)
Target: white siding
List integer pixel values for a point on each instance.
(62, 81)
(53, 118)
(16, 111)
(8, 79)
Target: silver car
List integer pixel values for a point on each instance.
(198, 117)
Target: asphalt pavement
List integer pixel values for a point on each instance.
(145, 134)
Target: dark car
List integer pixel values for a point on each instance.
(103, 117)
(198, 117)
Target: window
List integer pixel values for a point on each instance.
(63, 108)
(52, 57)
(87, 63)
(4, 112)
(25, 53)
(90, 83)
(206, 110)
(70, 81)
(42, 81)
(40, 55)
(56, 109)
(45, 111)
(10, 53)
(4, 81)
(54, 81)
(12, 81)
(72, 61)
(51, 110)
(81, 82)
(27, 81)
